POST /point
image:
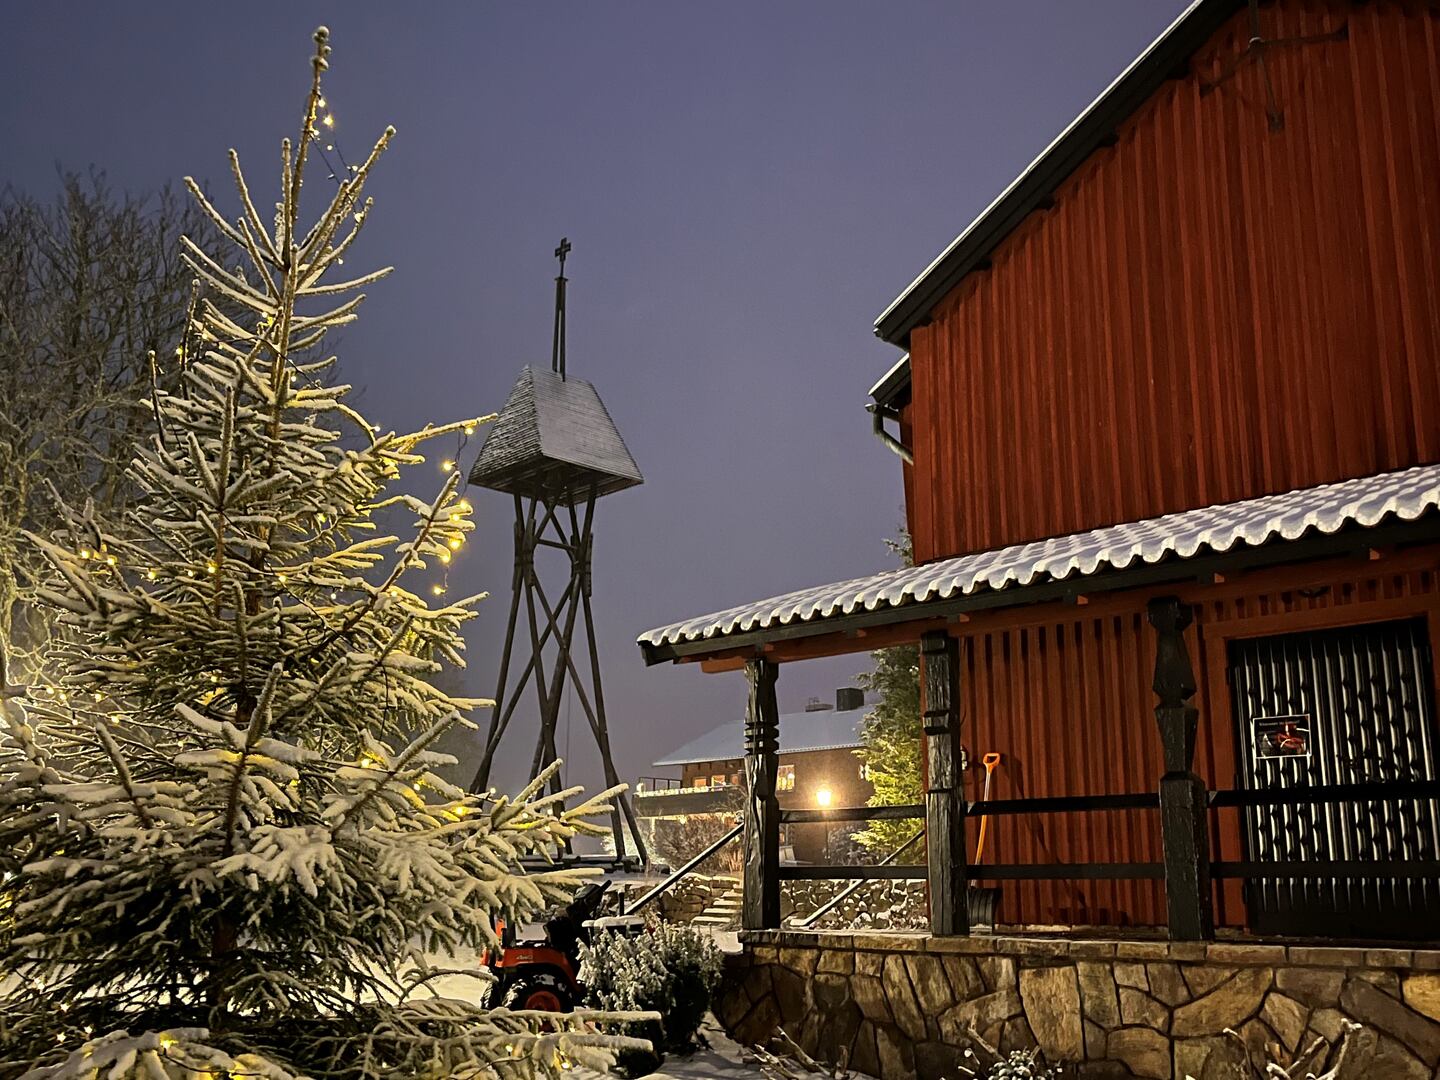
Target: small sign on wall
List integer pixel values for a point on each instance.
(1282, 736)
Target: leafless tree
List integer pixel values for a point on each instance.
(91, 286)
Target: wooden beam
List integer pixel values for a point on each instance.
(760, 906)
(715, 665)
(944, 794)
(1184, 830)
(840, 643)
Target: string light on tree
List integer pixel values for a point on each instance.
(248, 778)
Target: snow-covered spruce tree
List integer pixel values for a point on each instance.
(221, 854)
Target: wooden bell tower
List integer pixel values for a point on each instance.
(555, 451)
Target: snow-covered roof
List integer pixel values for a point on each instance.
(554, 437)
(1365, 501)
(821, 729)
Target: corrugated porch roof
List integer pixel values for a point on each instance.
(1277, 525)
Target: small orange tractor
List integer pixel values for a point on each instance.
(544, 974)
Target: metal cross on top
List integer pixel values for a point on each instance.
(557, 344)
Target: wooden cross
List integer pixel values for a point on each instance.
(557, 343)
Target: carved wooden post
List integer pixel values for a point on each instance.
(761, 905)
(944, 794)
(1182, 793)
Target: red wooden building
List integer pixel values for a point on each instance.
(1170, 415)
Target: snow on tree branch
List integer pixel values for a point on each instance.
(213, 858)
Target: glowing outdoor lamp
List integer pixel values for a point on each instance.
(823, 797)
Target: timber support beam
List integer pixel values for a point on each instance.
(760, 909)
(944, 794)
(1182, 794)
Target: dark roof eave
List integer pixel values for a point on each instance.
(893, 389)
(1352, 538)
(1093, 129)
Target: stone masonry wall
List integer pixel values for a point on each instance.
(880, 905)
(876, 905)
(686, 899)
(901, 1004)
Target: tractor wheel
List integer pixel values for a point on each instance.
(543, 991)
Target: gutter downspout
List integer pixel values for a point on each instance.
(879, 414)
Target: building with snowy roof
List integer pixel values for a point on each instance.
(816, 767)
(1169, 417)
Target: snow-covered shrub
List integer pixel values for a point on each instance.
(1018, 1065)
(668, 968)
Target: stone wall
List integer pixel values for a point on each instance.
(684, 900)
(902, 1004)
(880, 905)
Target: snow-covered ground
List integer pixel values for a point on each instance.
(724, 1060)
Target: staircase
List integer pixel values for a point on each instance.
(723, 912)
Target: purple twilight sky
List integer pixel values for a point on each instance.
(746, 184)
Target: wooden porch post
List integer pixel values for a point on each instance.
(761, 904)
(1182, 793)
(944, 793)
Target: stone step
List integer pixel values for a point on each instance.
(712, 920)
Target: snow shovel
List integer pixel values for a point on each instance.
(982, 902)
(990, 760)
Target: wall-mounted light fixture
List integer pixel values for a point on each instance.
(823, 797)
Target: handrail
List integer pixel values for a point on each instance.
(1318, 794)
(843, 893)
(1059, 804)
(852, 872)
(903, 812)
(684, 870)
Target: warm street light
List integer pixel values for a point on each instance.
(822, 797)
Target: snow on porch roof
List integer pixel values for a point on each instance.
(1365, 502)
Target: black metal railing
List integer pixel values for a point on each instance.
(650, 785)
(1123, 871)
(677, 875)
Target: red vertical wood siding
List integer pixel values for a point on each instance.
(1069, 705)
(1211, 310)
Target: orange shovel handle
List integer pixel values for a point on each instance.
(990, 761)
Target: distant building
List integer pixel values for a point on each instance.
(818, 768)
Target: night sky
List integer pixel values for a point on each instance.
(746, 185)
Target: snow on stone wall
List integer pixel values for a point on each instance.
(901, 1004)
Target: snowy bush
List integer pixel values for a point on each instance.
(1017, 1065)
(668, 968)
(224, 850)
